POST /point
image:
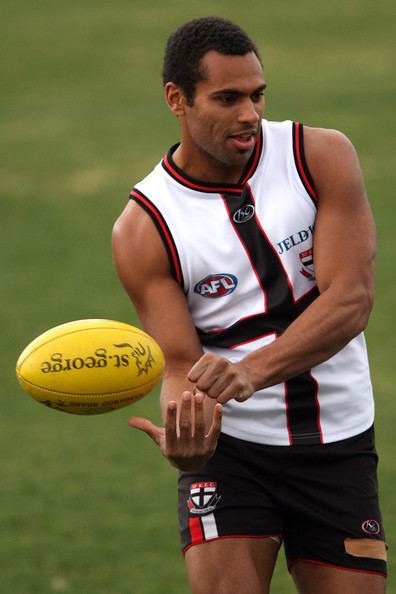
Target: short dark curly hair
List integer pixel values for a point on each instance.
(190, 42)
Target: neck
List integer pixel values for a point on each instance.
(203, 167)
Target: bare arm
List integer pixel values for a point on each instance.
(344, 250)
(191, 422)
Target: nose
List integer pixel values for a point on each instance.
(250, 112)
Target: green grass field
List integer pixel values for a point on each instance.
(87, 505)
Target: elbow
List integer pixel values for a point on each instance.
(360, 312)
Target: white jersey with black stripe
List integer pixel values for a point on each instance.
(244, 256)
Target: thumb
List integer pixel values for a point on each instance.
(147, 427)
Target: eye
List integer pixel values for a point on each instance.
(257, 97)
(227, 99)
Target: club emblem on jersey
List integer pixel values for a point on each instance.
(216, 285)
(203, 498)
(244, 214)
(306, 258)
(371, 527)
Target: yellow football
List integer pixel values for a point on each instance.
(90, 366)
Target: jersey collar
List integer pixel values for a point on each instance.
(201, 186)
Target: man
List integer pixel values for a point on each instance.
(243, 254)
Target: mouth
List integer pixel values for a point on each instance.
(244, 141)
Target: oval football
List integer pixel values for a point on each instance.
(90, 366)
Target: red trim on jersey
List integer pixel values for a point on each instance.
(194, 186)
(220, 330)
(315, 562)
(235, 346)
(243, 319)
(166, 235)
(319, 425)
(300, 162)
(314, 288)
(289, 431)
(257, 154)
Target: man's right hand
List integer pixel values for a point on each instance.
(184, 440)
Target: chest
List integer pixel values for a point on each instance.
(241, 254)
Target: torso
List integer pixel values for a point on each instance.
(243, 255)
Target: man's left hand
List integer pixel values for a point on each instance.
(222, 379)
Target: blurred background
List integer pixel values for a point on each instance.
(87, 505)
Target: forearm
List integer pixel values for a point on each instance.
(322, 330)
(175, 383)
(173, 386)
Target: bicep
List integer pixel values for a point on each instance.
(143, 267)
(344, 244)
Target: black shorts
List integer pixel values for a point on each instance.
(320, 500)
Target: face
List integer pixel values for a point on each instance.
(219, 130)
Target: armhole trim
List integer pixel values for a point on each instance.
(164, 232)
(301, 163)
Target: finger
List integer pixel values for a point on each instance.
(219, 385)
(147, 426)
(212, 377)
(215, 427)
(171, 423)
(235, 391)
(212, 374)
(243, 396)
(199, 425)
(185, 420)
(198, 368)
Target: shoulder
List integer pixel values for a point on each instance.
(138, 251)
(135, 231)
(132, 223)
(331, 157)
(324, 141)
(135, 223)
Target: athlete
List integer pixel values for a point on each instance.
(248, 253)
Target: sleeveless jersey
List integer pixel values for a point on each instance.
(243, 254)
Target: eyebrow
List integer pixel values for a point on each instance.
(238, 92)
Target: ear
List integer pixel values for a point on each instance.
(175, 98)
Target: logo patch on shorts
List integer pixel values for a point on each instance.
(203, 498)
(371, 527)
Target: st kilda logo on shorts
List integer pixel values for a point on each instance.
(203, 498)
(371, 527)
(216, 285)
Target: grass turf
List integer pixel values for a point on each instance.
(86, 504)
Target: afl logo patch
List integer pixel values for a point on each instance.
(371, 527)
(244, 214)
(216, 285)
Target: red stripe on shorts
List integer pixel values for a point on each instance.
(196, 531)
